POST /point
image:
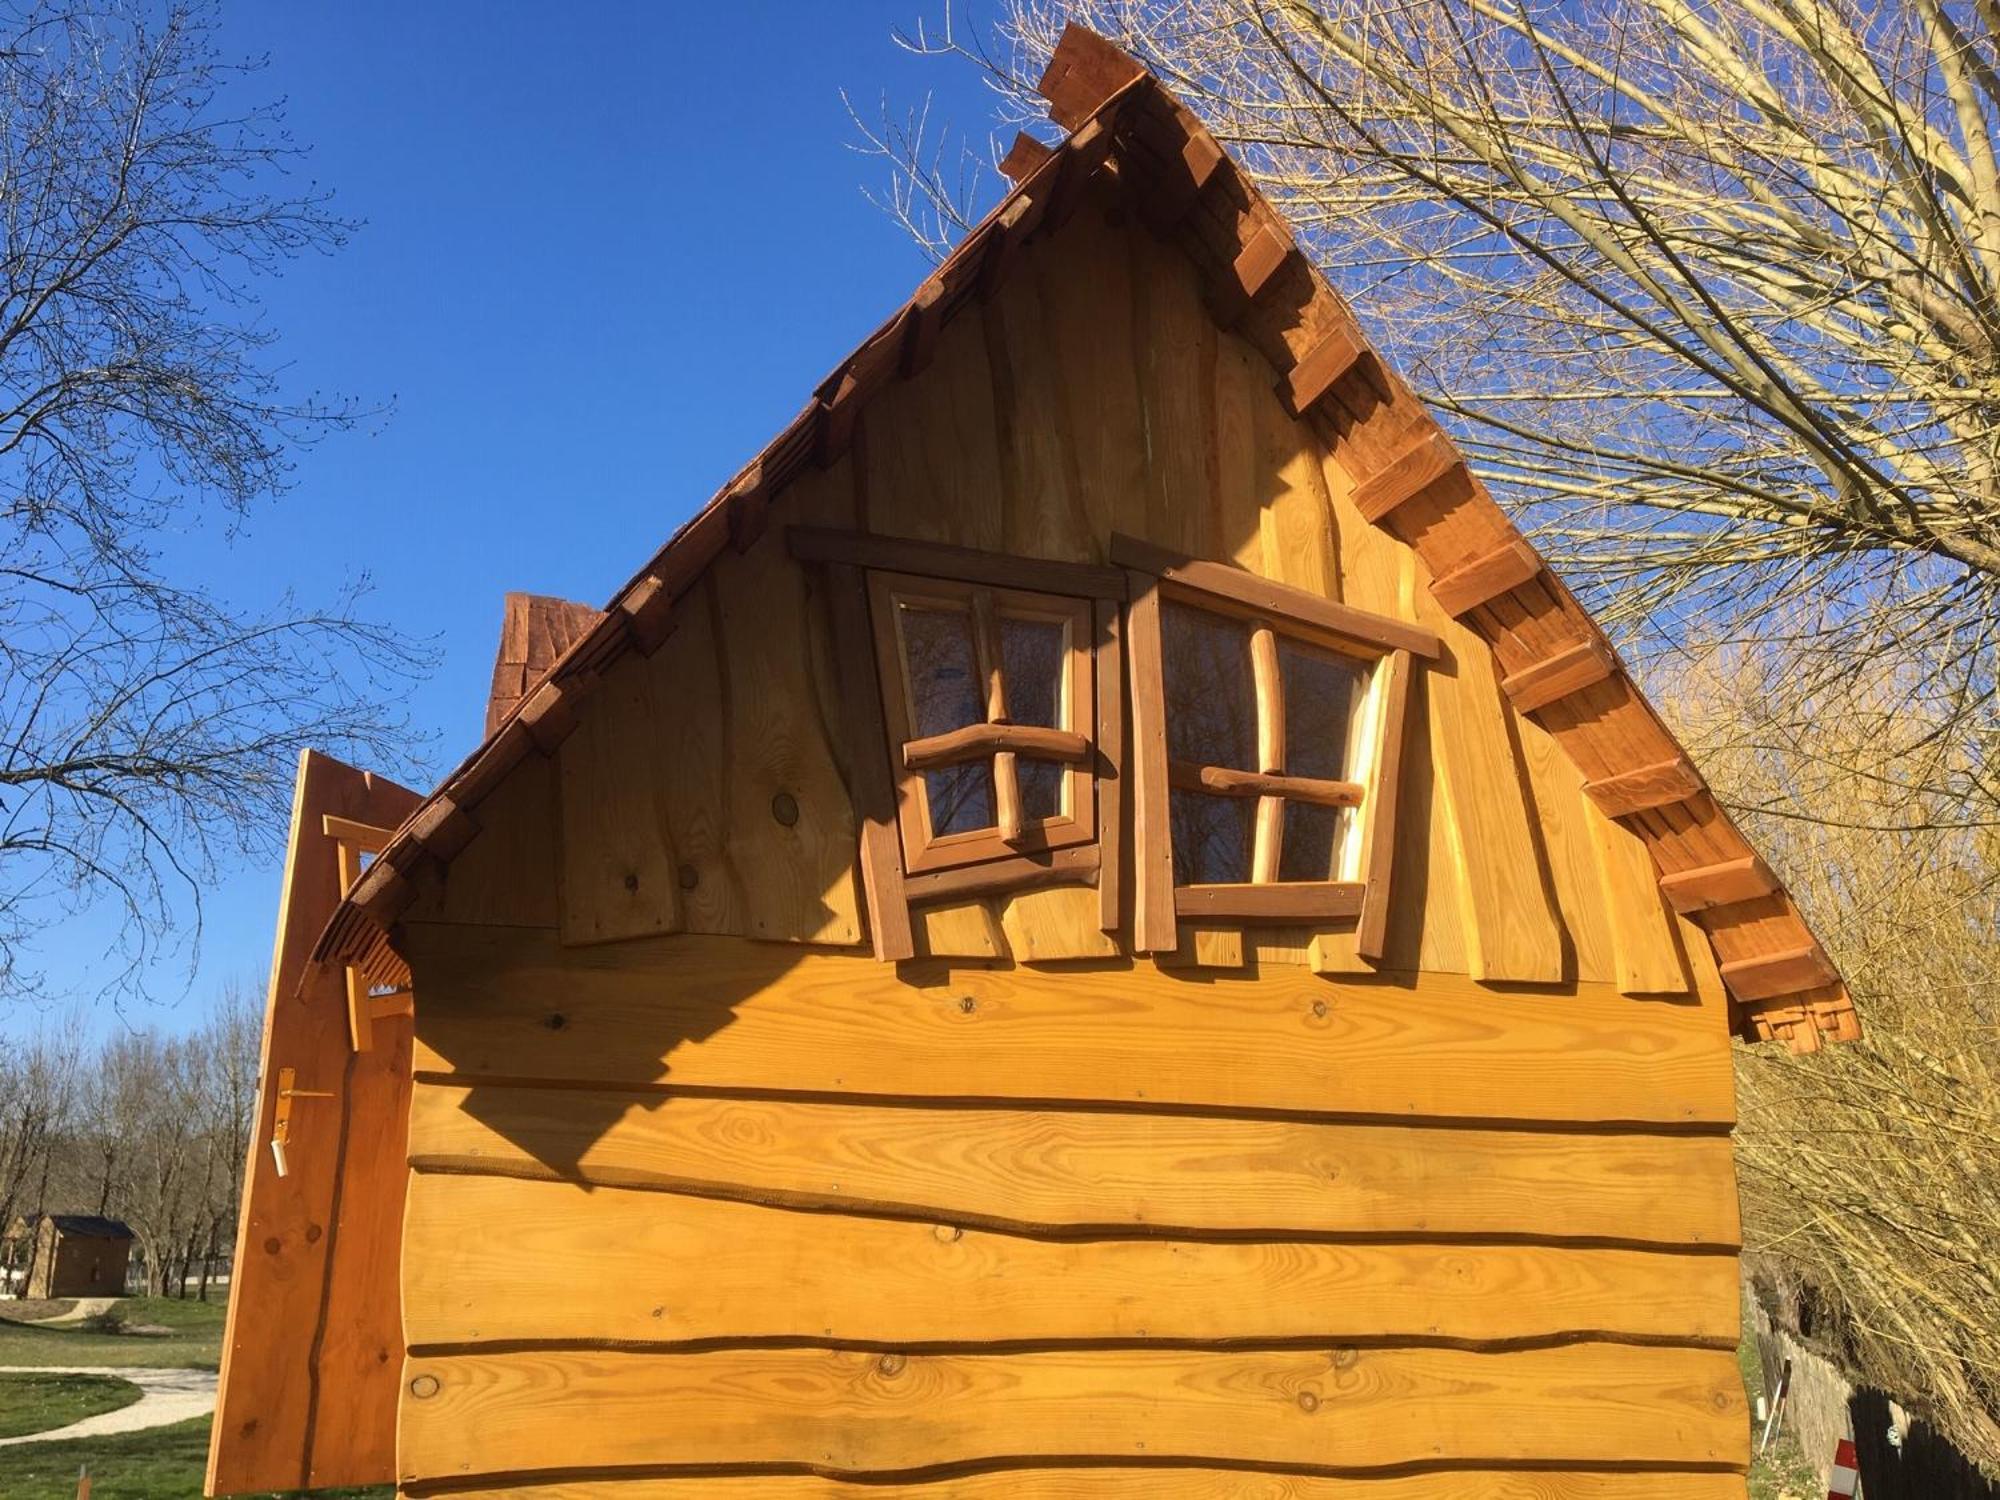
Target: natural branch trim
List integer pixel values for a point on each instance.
(1077, 864)
(977, 741)
(1271, 903)
(1221, 781)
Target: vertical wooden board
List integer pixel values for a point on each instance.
(304, 1398)
(1644, 945)
(1176, 347)
(790, 834)
(1054, 922)
(964, 929)
(931, 451)
(1086, 298)
(684, 682)
(1207, 946)
(1045, 513)
(1297, 524)
(1560, 811)
(1512, 930)
(1241, 484)
(619, 873)
(506, 877)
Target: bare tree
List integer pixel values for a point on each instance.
(1712, 294)
(38, 1095)
(148, 726)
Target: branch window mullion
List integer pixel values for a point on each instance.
(1006, 764)
(1267, 851)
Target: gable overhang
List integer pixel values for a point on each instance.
(1410, 480)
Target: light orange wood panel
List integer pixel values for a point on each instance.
(1513, 933)
(1175, 356)
(1644, 945)
(1087, 300)
(1107, 1482)
(1098, 1171)
(791, 833)
(1054, 922)
(305, 1395)
(1243, 484)
(646, 1267)
(506, 877)
(1556, 790)
(1297, 522)
(698, 1010)
(931, 453)
(619, 873)
(690, 766)
(1206, 947)
(851, 1412)
(1045, 512)
(964, 929)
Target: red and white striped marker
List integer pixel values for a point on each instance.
(1846, 1471)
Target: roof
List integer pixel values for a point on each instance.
(91, 1227)
(1410, 480)
(535, 633)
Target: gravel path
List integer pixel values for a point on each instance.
(85, 1307)
(170, 1396)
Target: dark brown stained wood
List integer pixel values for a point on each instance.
(1261, 596)
(1570, 670)
(1097, 1172)
(1661, 784)
(960, 564)
(549, 714)
(1378, 847)
(976, 741)
(1076, 863)
(1430, 460)
(1223, 782)
(1723, 884)
(698, 1011)
(1016, 221)
(534, 634)
(1192, 163)
(306, 1398)
(1024, 156)
(1083, 154)
(1111, 767)
(442, 828)
(1271, 903)
(1085, 71)
(866, 732)
(1316, 374)
(1486, 577)
(1774, 974)
(859, 1412)
(749, 496)
(1151, 1482)
(921, 325)
(1152, 840)
(648, 1268)
(1261, 258)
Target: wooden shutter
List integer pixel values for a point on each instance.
(313, 1353)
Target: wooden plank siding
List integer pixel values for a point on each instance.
(1115, 1482)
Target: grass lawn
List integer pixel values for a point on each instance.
(37, 1403)
(163, 1464)
(195, 1338)
(1780, 1473)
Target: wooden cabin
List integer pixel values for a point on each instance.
(1097, 924)
(74, 1255)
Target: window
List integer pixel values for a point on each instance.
(1267, 723)
(990, 697)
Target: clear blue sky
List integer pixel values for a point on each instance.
(609, 251)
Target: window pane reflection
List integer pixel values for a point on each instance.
(960, 797)
(1041, 788)
(1031, 665)
(1321, 690)
(1212, 837)
(1211, 696)
(944, 682)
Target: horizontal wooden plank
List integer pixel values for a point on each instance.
(718, 1011)
(1110, 1482)
(1769, 975)
(1280, 601)
(1278, 902)
(1723, 884)
(1556, 677)
(937, 560)
(1429, 460)
(1098, 1171)
(640, 1267)
(1486, 577)
(851, 1412)
(1660, 784)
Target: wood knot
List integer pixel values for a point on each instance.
(1308, 1401)
(891, 1365)
(424, 1387)
(689, 877)
(1319, 1010)
(556, 1022)
(967, 1005)
(272, 1245)
(785, 808)
(947, 1232)
(631, 880)
(1343, 1359)
(313, 1233)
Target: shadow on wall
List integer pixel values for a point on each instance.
(1925, 1467)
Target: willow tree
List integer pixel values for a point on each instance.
(1711, 293)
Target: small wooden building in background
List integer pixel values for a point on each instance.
(76, 1255)
(1097, 924)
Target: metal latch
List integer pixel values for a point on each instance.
(281, 1127)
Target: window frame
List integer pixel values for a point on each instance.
(1003, 743)
(1385, 647)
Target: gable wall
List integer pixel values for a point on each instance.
(699, 1182)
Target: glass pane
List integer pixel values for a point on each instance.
(1321, 691)
(1313, 837)
(1211, 697)
(1212, 837)
(1041, 788)
(1031, 665)
(944, 682)
(960, 797)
